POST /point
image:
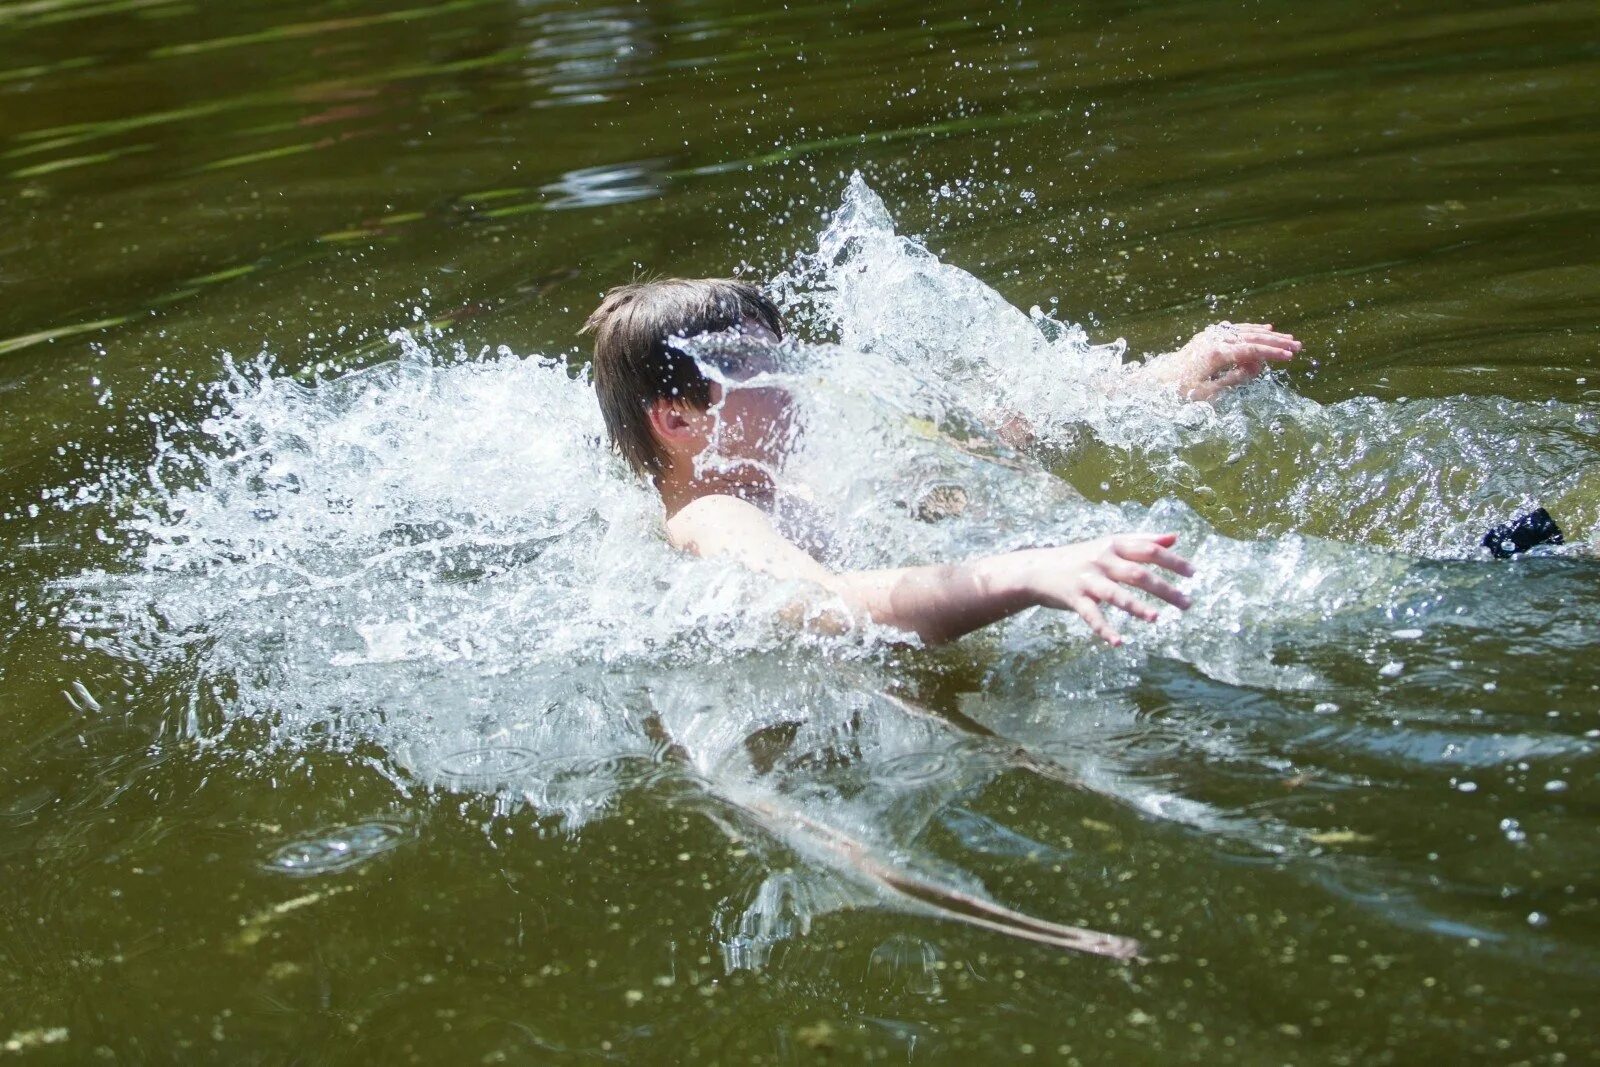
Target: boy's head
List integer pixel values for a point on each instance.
(640, 379)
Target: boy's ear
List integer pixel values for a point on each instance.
(669, 421)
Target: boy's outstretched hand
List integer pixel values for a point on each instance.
(1082, 577)
(940, 602)
(1221, 357)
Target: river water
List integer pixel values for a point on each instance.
(356, 709)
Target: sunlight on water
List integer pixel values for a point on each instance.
(435, 555)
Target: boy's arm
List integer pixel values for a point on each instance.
(1215, 360)
(942, 602)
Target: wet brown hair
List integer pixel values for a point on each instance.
(633, 364)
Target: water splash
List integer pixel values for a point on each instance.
(437, 556)
(1427, 476)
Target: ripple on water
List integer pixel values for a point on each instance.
(336, 849)
(486, 767)
(576, 770)
(918, 768)
(581, 786)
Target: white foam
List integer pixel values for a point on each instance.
(438, 556)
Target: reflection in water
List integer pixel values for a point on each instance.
(612, 184)
(589, 56)
(488, 599)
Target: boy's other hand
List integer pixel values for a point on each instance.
(1220, 357)
(1081, 577)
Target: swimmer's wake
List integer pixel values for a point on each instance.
(489, 599)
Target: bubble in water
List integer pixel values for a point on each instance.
(336, 849)
(906, 964)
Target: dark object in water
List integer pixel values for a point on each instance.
(1523, 533)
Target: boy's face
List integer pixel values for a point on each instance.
(746, 429)
(755, 422)
(750, 423)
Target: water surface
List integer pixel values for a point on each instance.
(356, 711)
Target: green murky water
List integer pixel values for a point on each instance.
(1414, 192)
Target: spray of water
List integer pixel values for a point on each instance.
(1424, 476)
(437, 556)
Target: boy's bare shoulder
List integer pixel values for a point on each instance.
(719, 525)
(707, 523)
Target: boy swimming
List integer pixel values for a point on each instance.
(665, 416)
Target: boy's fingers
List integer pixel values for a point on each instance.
(1237, 376)
(1140, 578)
(1285, 348)
(1276, 340)
(1085, 607)
(1141, 544)
(1109, 592)
(1257, 351)
(1216, 357)
(1140, 547)
(1141, 551)
(1171, 561)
